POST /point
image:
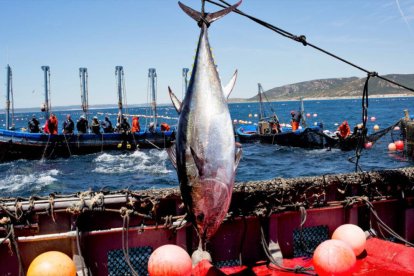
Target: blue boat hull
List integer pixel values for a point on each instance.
(22, 145)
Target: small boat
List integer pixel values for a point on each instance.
(115, 233)
(247, 133)
(24, 145)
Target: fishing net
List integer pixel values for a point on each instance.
(306, 240)
(139, 259)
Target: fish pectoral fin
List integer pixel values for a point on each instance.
(172, 154)
(238, 156)
(210, 17)
(199, 162)
(176, 102)
(229, 87)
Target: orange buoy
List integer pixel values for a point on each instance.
(392, 147)
(352, 235)
(368, 145)
(170, 260)
(376, 127)
(333, 257)
(399, 145)
(52, 263)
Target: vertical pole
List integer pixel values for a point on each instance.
(185, 81)
(9, 76)
(302, 112)
(153, 76)
(83, 74)
(119, 72)
(46, 105)
(260, 101)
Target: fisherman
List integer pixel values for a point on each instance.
(165, 127)
(124, 126)
(106, 125)
(82, 125)
(135, 124)
(68, 125)
(344, 130)
(274, 125)
(296, 117)
(51, 125)
(33, 125)
(95, 126)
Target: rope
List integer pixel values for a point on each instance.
(47, 144)
(67, 144)
(80, 252)
(276, 265)
(362, 132)
(302, 39)
(125, 229)
(15, 245)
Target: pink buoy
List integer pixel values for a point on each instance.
(352, 235)
(308, 115)
(373, 119)
(169, 260)
(399, 145)
(392, 147)
(397, 128)
(334, 257)
(368, 145)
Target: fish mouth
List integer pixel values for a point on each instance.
(211, 199)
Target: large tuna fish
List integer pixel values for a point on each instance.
(205, 155)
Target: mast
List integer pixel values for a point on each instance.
(302, 112)
(9, 83)
(46, 105)
(119, 72)
(152, 75)
(262, 115)
(185, 81)
(83, 74)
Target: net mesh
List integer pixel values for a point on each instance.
(139, 259)
(306, 240)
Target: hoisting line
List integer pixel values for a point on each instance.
(302, 39)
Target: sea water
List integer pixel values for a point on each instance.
(151, 168)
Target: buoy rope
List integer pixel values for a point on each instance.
(302, 39)
(67, 144)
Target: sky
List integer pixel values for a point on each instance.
(138, 35)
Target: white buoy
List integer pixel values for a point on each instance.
(315, 115)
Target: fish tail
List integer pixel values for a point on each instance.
(208, 18)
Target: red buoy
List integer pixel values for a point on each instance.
(52, 263)
(334, 257)
(399, 145)
(169, 260)
(352, 235)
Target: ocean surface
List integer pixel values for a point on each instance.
(144, 169)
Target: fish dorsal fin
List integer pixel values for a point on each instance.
(238, 156)
(229, 87)
(172, 154)
(176, 102)
(199, 162)
(209, 17)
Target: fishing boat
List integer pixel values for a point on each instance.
(16, 144)
(115, 233)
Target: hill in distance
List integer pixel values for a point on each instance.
(338, 88)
